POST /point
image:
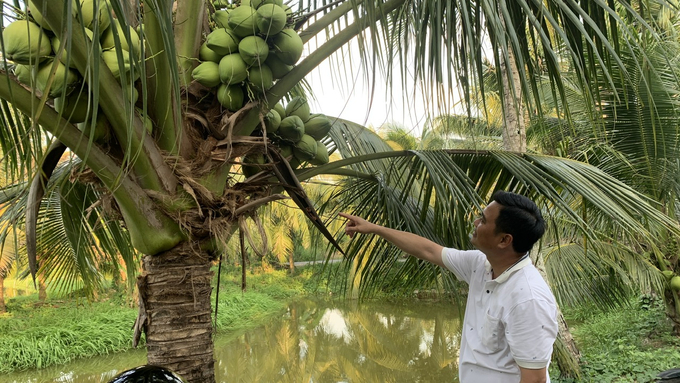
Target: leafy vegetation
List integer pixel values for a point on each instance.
(631, 344)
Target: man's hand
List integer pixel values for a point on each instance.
(357, 225)
(409, 243)
(533, 376)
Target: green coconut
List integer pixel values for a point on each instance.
(233, 69)
(305, 149)
(668, 274)
(221, 4)
(221, 18)
(38, 16)
(222, 41)
(110, 58)
(242, 21)
(675, 283)
(108, 40)
(207, 54)
(253, 50)
(130, 92)
(90, 8)
(321, 157)
(281, 110)
(287, 46)
(63, 79)
(292, 128)
(25, 42)
(278, 67)
(318, 126)
(270, 19)
(100, 132)
(298, 106)
(287, 153)
(230, 96)
(74, 107)
(257, 4)
(272, 121)
(207, 74)
(23, 73)
(250, 163)
(64, 57)
(260, 78)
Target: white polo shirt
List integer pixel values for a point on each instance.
(510, 321)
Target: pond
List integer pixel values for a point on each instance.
(315, 341)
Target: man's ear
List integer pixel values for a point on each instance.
(506, 240)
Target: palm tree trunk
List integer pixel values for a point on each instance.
(175, 312)
(514, 130)
(565, 353)
(3, 308)
(42, 290)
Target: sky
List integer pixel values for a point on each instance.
(339, 96)
(354, 104)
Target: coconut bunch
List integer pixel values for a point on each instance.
(251, 45)
(43, 63)
(296, 132)
(673, 279)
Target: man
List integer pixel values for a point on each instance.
(510, 321)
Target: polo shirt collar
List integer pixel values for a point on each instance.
(522, 262)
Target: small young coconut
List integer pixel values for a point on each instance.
(26, 43)
(260, 78)
(207, 54)
(207, 74)
(298, 106)
(305, 149)
(292, 128)
(230, 96)
(253, 50)
(242, 21)
(222, 41)
(232, 69)
(287, 46)
(270, 19)
(62, 78)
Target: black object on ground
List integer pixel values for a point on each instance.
(147, 374)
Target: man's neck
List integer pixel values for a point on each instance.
(503, 262)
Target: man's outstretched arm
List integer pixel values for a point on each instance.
(410, 243)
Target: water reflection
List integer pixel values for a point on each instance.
(319, 342)
(346, 342)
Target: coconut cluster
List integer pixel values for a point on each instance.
(42, 62)
(296, 132)
(252, 44)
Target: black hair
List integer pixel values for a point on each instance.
(520, 217)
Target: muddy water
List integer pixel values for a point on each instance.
(317, 342)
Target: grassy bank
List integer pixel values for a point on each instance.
(627, 345)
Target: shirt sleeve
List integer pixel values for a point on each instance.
(531, 330)
(462, 262)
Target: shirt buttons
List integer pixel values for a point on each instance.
(487, 291)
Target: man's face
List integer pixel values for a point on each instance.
(484, 234)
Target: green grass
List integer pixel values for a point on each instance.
(61, 331)
(628, 345)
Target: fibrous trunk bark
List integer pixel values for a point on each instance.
(514, 129)
(175, 312)
(566, 354)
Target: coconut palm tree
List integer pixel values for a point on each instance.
(161, 153)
